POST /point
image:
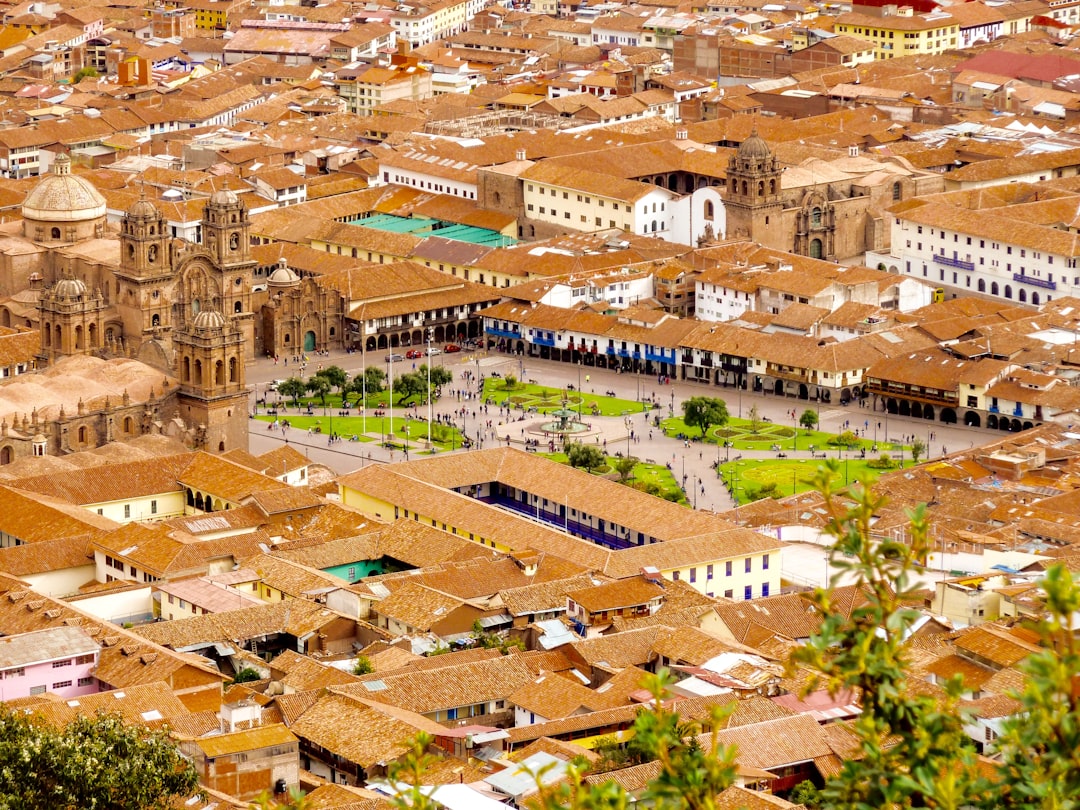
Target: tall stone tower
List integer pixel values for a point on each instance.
(753, 202)
(71, 319)
(145, 276)
(226, 236)
(210, 365)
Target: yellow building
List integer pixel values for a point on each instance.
(903, 33)
(210, 15)
(570, 514)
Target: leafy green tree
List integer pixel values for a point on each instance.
(587, 456)
(337, 377)
(363, 666)
(1040, 744)
(624, 466)
(373, 380)
(918, 449)
(95, 763)
(754, 416)
(320, 387)
(411, 384)
(84, 73)
(509, 382)
(846, 439)
(808, 419)
(704, 412)
(246, 675)
(292, 388)
(915, 751)
(806, 793)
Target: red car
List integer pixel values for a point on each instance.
(413, 354)
(451, 347)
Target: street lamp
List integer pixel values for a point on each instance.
(428, 334)
(390, 378)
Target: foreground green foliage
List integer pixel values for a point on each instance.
(94, 764)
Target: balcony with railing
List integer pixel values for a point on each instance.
(540, 340)
(495, 331)
(957, 263)
(912, 392)
(1020, 278)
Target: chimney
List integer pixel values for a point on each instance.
(853, 150)
(680, 134)
(519, 154)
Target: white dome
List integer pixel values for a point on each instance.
(63, 197)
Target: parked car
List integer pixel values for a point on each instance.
(413, 354)
(433, 350)
(393, 358)
(450, 348)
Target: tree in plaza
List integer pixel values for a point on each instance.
(292, 388)
(808, 419)
(440, 375)
(918, 449)
(93, 763)
(624, 466)
(337, 377)
(411, 384)
(372, 380)
(704, 412)
(320, 387)
(587, 456)
(755, 419)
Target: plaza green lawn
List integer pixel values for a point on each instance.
(377, 428)
(655, 479)
(769, 435)
(545, 399)
(752, 477)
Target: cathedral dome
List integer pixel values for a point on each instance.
(754, 148)
(63, 197)
(69, 289)
(143, 208)
(224, 196)
(283, 276)
(209, 319)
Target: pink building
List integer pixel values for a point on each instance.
(60, 660)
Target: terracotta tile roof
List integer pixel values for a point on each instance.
(446, 688)
(774, 743)
(224, 479)
(542, 597)
(416, 606)
(151, 704)
(1001, 647)
(630, 649)
(332, 723)
(46, 555)
(615, 595)
(33, 518)
(297, 617)
(252, 739)
(300, 673)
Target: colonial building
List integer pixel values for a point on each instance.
(823, 209)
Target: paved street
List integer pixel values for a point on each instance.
(703, 487)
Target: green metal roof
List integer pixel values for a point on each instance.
(426, 226)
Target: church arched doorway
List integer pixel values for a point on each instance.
(815, 248)
(309, 341)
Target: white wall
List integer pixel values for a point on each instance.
(688, 219)
(117, 606)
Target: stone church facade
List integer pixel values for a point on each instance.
(183, 308)
(830, 210)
